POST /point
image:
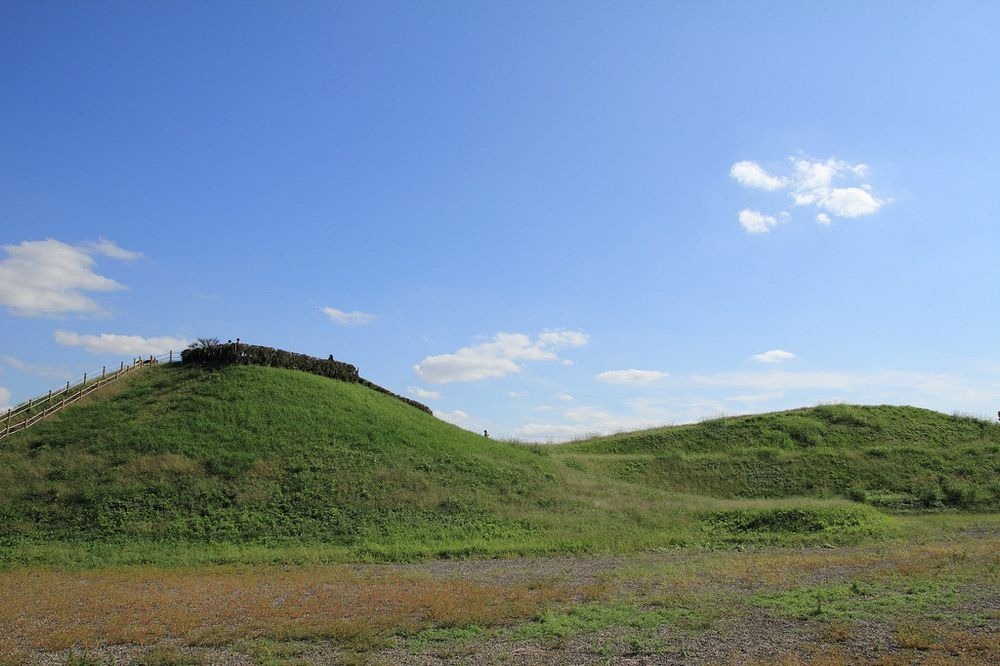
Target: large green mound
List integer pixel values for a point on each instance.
(191, 464)
(900, 458)
(247, 453)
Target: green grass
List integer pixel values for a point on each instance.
(894, 458)
(594, 616)
(182, 465)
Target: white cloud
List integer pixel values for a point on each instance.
(584, 421)
(812, 178)
(499, 357)
(517, 394)
(756, 222)
(456, 416)
(4, 399)
(130, 345)
(37, 369)
(636, 377)
(111, 249)
(972, 390)
(422, 393)
(562, 339)
(565, 397)
(543, 408)
(773, 356)
(750, 174)
(353, 318)
(810, 183)
(851, 202)
(465, 365)
(50, 278)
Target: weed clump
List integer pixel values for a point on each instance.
(834, 522)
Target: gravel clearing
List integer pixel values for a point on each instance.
(716, 620)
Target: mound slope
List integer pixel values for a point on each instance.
(248, 453)
(899, 458)
(247, 463)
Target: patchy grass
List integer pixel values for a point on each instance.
(356, 609)
(588, 618)
(932, 599)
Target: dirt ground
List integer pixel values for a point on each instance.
(936, 602)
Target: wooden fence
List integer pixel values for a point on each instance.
(34, 410)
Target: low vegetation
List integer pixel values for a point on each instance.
(930, 600)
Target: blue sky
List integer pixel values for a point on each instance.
(545, 219)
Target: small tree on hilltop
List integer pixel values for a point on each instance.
(204, 343)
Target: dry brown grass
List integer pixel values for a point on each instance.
(221, 606)
(360, 609)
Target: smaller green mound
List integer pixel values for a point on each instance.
(833, 426)
(895, 458)
(768, 523)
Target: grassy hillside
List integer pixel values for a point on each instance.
(183, 464)
(264, 455)
(900, 458)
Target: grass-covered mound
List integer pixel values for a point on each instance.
(247, 463)
(899, 458)
(188, 464)
(252, 454)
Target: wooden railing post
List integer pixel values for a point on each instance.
(7, 425)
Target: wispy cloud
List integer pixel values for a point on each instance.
(750, 174)
(633, 376)
(125, 345)
(584, 421)
(37, 369)
(503, 355)
(456, 416)
(832, 380)
(834, 186)
(353, 318)
(756, 222)
(773, 356)
(111, 249)
(4, 399)
(422, 393)
(694, 397)
(52, 278)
